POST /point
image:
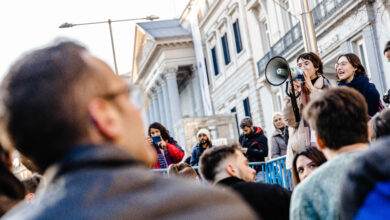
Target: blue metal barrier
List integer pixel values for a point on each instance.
(275, 172)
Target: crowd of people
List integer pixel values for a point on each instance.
(86, 141)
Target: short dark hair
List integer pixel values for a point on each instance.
(339, 116)
(182, 170)
(387, 47)
(313, 154)
(380, 124)
(164, 132)
(31, 183)
(354, 60)
(211, 159)
(44, 99)
(315, 59)
(246, 122)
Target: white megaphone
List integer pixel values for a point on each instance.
(278, 71)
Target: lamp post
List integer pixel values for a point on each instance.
(307, 25)
(109, 21)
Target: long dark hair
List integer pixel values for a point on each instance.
(164, 132)
(355, 62)
(10, 186)
(313, 154)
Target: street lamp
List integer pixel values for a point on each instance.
(109, 21)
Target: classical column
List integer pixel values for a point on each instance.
(197, 92)
(173, 92)
(167, 106)
(149, 114)
(161, 107)
(156, 116)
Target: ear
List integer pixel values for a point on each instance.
(105, 118)
(321, 145)
(231, 170)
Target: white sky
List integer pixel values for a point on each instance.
(27, 24)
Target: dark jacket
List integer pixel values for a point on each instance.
(365, 192)
(368, 90)
(257, 145)
(104, 182)
(197, 151)
(270, 201)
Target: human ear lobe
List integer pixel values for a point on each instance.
(320, 144)
(231, 170)
(104, 118)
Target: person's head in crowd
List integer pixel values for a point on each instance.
(203, 136)
(31, 185)
(157, 129)
(380, 125)
(182, 170)
(348, 66)
(339, 118)
(79, 99)
(386, 51)
(305, 162)
(11, 189)
(310, 63)
(225, 161)
(246, 126)
(278, 121)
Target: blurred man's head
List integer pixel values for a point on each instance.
(339, 117)
(246, 126)
(60, 96)
(182, 170)
(221, 162)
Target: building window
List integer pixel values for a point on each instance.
(265, 36)
(286, 14)
(215, 60)
(207, 71)
(225, 47)
(247, 107)
(363, 56)
(234, 111)
(237, 36)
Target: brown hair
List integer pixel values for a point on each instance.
(164, 132)
(43, 97)
(339, 116)
(380, 124)
(387, 47)
(355, 62)
(313, 154)
(212, 157)
(315, 59)
(182, 170)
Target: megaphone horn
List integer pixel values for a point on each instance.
(277, 71)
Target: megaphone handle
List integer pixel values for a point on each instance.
(294, 101)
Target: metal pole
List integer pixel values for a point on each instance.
(113, 47)
(307, 26)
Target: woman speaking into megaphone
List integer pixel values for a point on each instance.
(313, 80)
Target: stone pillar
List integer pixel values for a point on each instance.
(149, 113)
(167, 106)
(161, 107)
(156, 117)
(199, 109)
(173, 93)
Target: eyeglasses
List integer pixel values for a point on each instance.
(134, 92)
(340, 64)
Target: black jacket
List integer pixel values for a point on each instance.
(270, 201)
(257, 145)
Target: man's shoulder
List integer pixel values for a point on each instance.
(62, 199)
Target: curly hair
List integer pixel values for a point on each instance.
(164, 132)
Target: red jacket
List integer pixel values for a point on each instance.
(175, 154)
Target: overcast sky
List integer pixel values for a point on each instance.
(27, 24)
